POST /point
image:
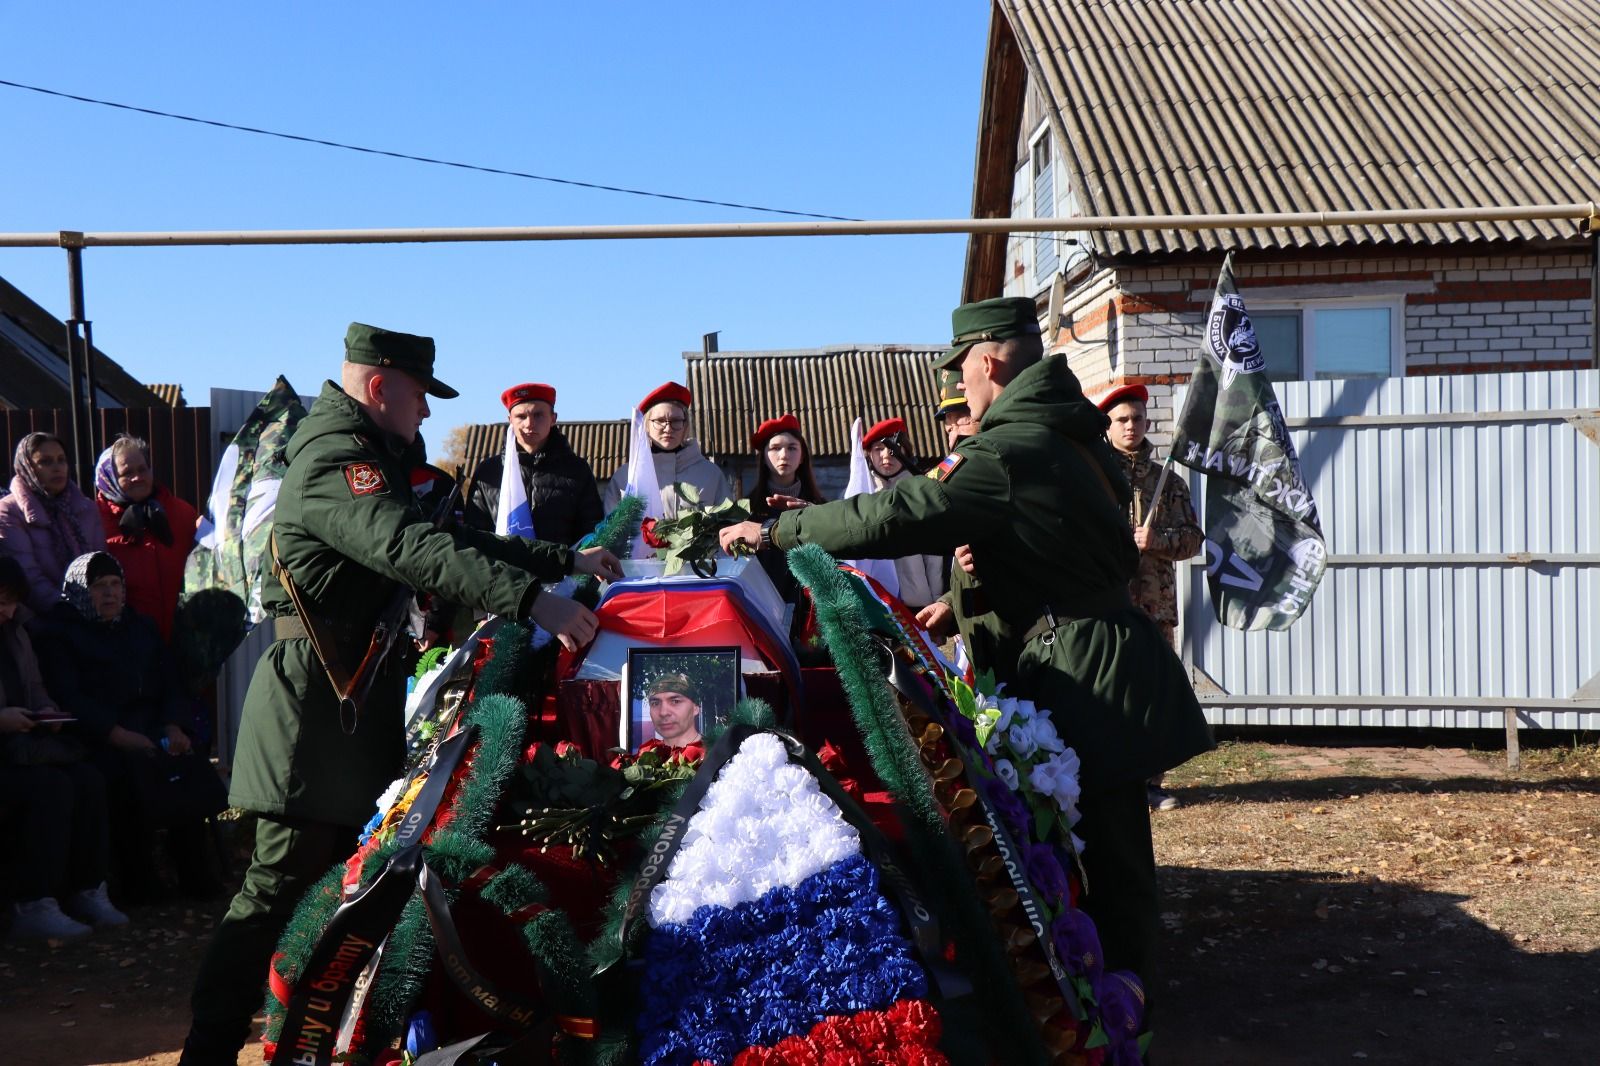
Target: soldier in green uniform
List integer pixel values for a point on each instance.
(348, 531)
(1039, 499)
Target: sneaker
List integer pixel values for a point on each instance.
(93, 906)
(41, 919)
(1161, 799)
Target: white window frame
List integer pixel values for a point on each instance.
(1396, 306)
(1041, 281)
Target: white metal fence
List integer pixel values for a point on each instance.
(1462, 515)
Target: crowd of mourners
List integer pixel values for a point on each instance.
(104, 757)
(104, 767)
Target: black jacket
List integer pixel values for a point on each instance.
(110, 673)
(561, 491)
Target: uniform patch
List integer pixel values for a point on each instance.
(364, 478)
(947, 466)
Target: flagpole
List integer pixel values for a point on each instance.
(1155, 502)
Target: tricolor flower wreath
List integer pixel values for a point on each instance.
(770, 940)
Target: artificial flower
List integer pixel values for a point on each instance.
(1008, 773)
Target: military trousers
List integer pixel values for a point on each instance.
(290, 855)
(1120, 864)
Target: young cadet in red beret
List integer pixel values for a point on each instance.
(922, 578)
(783, 480)
(561, 487)
(679, 462)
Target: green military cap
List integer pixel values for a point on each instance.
(371, 346)
(951, 396)
(678, 683)
(998, 319)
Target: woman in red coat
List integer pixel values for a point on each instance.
(148, 529)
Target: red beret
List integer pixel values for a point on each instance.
(887, 428)
(772, 427)
(527, 393)
(1123, 394)
(671, 391)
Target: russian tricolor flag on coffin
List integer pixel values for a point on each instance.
(770, 939)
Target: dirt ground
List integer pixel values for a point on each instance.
(1322, 905)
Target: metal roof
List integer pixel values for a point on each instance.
(33, 361)
(171, 395)
(603, 445)
(826, 388)
(1222, 106)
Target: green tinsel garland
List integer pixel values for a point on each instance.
(615, 534)
(456, 853)
(894, 757)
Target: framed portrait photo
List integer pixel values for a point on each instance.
(675, 694)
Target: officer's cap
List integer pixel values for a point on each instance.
(951, 399)
(998, 319)
(372, 346)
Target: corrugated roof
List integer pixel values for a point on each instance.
(33, 355)
(826, 388)
(1226, 106)
(171, 395)
(603, 445)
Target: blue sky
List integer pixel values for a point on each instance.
(865, 110)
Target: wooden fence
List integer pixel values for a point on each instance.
(182, 448)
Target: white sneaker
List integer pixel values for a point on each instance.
(41, 919)
(93, 906)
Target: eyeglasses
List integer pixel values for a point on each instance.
(669, 423)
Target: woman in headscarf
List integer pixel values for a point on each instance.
(784, 480)
(148, 529)
(46, 522)
(109, 668)
(922, 578)
(679, 463)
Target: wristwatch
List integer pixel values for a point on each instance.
(766, 532)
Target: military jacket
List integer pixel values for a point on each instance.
(349, 531)
(1174, 532)
(1039, 498)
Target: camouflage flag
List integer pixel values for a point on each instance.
(1264, 548)
(231, 544)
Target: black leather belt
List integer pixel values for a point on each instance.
(1052, 616)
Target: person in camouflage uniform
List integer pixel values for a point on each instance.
(1166, 530)
(1174, 531)
(1038, 498)
(348, 532)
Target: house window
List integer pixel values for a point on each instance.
(1045, 256)
(1326, 340)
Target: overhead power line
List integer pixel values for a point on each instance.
(420, 158)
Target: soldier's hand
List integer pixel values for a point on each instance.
(177, 741)
(964, 559)
(1142, 537)
(938, 619)
(746, 533)
(780, 502)
(600, 563)
(573, 624)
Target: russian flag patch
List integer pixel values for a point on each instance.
(947, 466)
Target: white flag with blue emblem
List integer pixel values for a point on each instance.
(515, 516)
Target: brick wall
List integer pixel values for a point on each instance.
(1463, 314)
